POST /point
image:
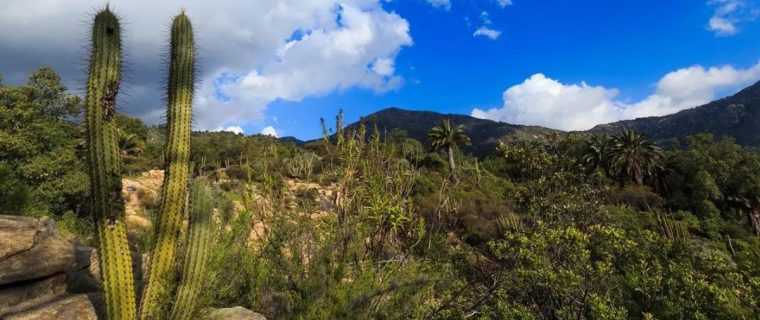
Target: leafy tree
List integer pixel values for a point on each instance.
(448, 136)
(743, 188)
(132, 125)
(13, 192)
(39, 142)
(633, 156)
(527, 160)
(716, 179)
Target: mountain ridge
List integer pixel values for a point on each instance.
(484, 134)
(737, 116)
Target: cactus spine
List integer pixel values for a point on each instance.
(174, 191)
(105, 167)
(196, 253)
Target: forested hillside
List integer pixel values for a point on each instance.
(737, 117)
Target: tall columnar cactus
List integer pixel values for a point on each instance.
(105, 167)
(197, 251)
(174, 191)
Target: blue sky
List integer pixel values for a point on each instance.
(284, 64)
(628, 45)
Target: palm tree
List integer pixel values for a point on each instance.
(130, 144)
(447, 136)
(633, 156)
(596, 153)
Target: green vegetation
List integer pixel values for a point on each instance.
(546, 227)
(42, 167)
(367, 224)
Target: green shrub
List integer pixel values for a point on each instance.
(433, 162)
(301, 165)
(14, 194)
(639, 197)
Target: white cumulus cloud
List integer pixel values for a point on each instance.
(504, 3)
(540, 100)
(547, 102)
(269, 131)
(251, 52)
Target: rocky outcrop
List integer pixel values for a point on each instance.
(74, 307)
(235, 313)
(140, 193)
(39, 271)
(31, 249)
(32, 293)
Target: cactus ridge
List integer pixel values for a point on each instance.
(198, 245)
(105, 167)
(177, 150)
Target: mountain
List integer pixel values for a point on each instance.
(485, 134)
(292, 139)
(737, 116)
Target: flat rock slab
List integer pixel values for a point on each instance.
(31, 249)
(31, 293)
(73, 307)
(16, 235)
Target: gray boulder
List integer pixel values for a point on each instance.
(234, 313)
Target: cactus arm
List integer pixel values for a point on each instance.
(174, 190)
(105, 167)
(197, 253)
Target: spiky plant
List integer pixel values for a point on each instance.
(196, 253)
(174, 190)
(448, 136)
(105, 167)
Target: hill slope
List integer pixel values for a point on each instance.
(485, 134)
(737, 116)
